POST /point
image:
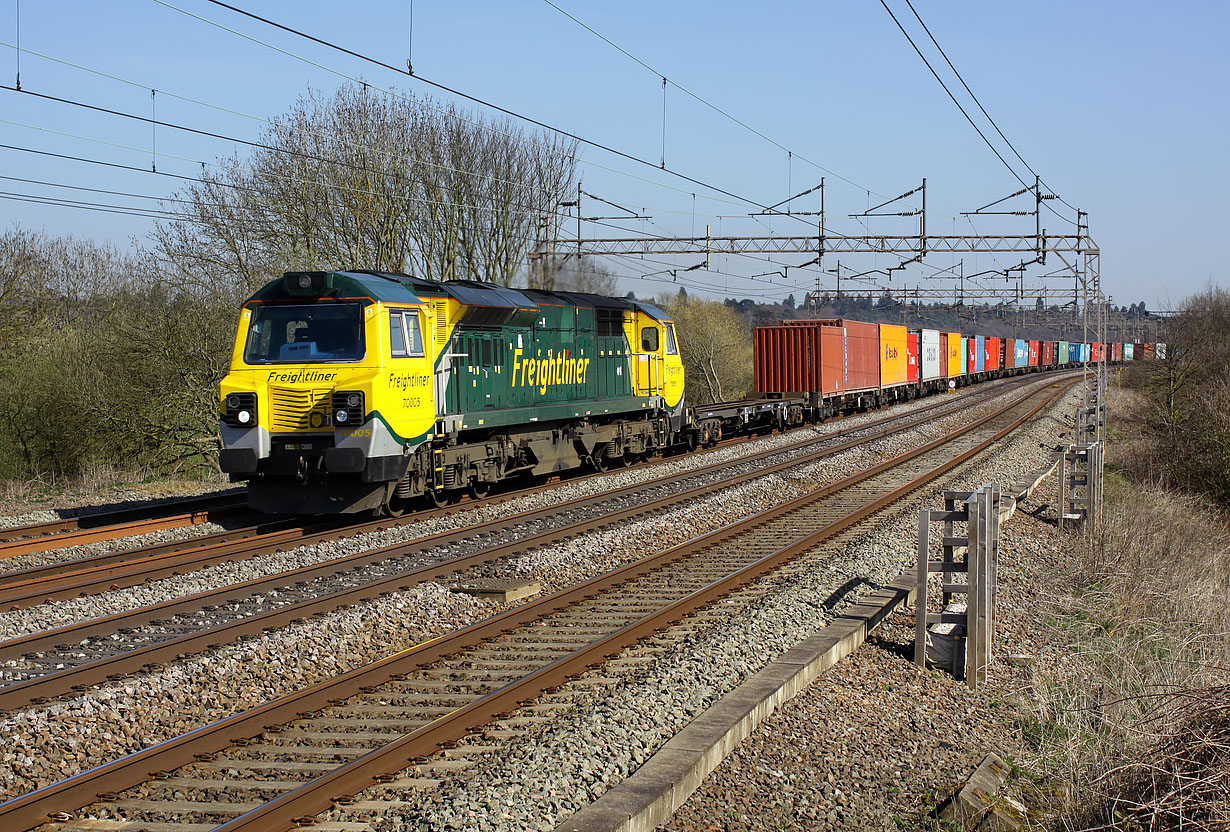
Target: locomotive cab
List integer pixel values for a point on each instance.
(658, 366)
(313, 353)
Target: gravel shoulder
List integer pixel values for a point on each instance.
(48, 742)
(876, 741)
(611, 728)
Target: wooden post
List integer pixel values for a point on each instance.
(1062, 506)
(974, 579)
(920, 603)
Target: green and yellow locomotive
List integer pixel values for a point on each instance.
(362, 391)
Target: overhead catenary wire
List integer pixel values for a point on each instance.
(314, 133)
(968, 118)
(1011, 146)
(700, 99)
(453, 91)
(269, 122)
(228, 185)
(977, 129)
(205, 133)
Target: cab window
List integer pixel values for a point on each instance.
(649, 339)
(405, 334)
(672, 348)
(298, 333)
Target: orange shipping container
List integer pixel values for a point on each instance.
(862, 354)
(893, 355)
(796, 359)
(954, 354)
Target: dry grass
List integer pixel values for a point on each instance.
(96, 483)
(1131, 713)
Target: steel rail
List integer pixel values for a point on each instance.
(133, 567)
(319, 794)
(299, 806)
(76, 531)
(79, 677)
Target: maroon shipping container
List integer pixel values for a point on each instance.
(911, 356)
(1048, 353)
(862, 354)
(1035, 353)
(1116, 351)
(943, 355)
(799, 358)
(995, 354)
(1149, 351)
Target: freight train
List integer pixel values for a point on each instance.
(357, 391)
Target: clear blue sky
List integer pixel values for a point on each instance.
(1120, 106)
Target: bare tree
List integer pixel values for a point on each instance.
(362, 179)
(581, 275)
(715, 346)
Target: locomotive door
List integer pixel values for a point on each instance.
(649, 362)
(474, 368)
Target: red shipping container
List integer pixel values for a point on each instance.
(971, 360)
(1035, 353)
(797, 359)
(862, 354)
(911, 360)
(995, 354)
(1048, 353)
(1096, 350)
(1149, 351)
(1116, 352)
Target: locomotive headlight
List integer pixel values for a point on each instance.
(305, 281)
(240, 409)
(347, 407)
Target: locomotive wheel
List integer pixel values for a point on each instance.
(438, 497)
(393, 506)
(600, 462)
(479, 489)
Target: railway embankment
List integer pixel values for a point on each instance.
(1108, 693)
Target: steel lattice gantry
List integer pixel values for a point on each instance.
(827, 244)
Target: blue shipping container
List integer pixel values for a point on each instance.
(1085, 353)
(980, 354)
(1020, 353)
(1074, 353)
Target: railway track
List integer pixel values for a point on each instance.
(59, 662)
(107, 571)
(281, 764)
(111, 525)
